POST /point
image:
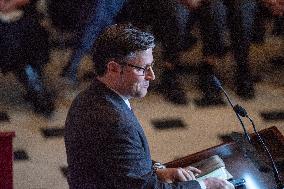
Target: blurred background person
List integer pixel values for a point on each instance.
(237, 17)
(24, 51)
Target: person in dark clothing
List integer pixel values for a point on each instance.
(236, 16)
(24, 51)
(105, 144)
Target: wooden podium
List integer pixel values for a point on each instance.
(256, 172)
(6, 160)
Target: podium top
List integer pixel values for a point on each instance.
(239, 164)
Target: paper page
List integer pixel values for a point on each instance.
(220, 173)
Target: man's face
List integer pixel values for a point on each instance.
(134, 81)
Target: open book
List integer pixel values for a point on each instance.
(213, 166)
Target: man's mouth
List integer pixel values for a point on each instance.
(146, 85)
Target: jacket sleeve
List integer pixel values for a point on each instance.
(133, 167)
(151, 182)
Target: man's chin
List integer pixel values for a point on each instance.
(141, 94)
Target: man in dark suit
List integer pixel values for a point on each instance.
(105, 144)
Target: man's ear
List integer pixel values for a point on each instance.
(113, 67)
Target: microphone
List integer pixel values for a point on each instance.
(217, 85)
(242, 112)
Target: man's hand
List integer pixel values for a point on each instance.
(191, 4)
(171, 175)
(215, 183)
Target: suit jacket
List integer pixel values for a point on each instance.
(106, 146)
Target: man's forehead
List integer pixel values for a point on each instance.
(144, 56)
(144, 52)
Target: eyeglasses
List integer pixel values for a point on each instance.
(140, 69)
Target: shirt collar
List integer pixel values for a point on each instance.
(124, 98)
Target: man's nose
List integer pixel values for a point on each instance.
(150, 75)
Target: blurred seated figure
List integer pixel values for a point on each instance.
(277, 9)
(24, 51)
(237, 16)
(210, 22)
(98, 15)
(268, 11)
(215, 19)
(262, 16)
(69, 16)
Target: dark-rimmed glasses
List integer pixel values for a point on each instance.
(141, 69)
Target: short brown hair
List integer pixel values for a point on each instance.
(117, 42)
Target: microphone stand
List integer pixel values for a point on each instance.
(218, 84)
(246, 144)
(242, 112)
